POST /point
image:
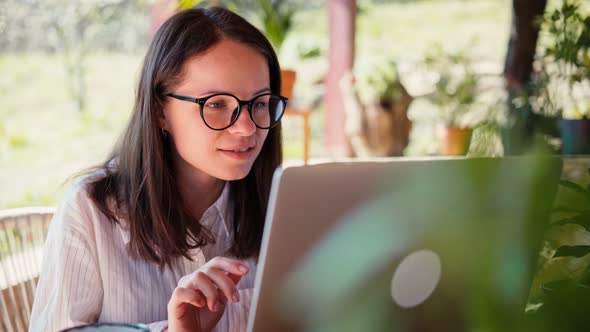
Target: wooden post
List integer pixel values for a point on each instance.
(341, 17)
(518, 67)
(523, 41)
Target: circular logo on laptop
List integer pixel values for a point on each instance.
(415, 278)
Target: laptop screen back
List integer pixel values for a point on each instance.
(406, 245)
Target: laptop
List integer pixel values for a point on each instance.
(403, 244)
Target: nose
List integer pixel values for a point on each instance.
(244, 126)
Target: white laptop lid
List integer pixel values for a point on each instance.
(307, 203)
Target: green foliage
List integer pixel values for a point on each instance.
(277, 19)
(564, 79)
(34, 199)
(456, 83)
(572, 251)
(377, 81)
(308, 51)
(233, 5)
(570, 32)
(187, 4)
(17, 141)
(577, 214)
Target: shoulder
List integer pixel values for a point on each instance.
(77, 210)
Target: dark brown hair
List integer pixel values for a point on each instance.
(137, 182)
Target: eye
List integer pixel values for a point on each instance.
(259, 104)
(215, 104)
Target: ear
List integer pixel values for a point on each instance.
(162, 122)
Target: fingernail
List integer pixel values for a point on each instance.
(235, 297)
(243, 268)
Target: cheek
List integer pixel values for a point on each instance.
(193, 143)
(191, 138)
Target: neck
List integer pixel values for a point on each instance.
(198, 190)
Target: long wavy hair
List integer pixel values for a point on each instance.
(137, 182)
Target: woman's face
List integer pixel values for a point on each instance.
(228, 67)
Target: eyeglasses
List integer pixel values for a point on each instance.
(221, 111)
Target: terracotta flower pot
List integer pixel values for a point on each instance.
(454, 141)
(288, 83)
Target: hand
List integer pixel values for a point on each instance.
(198, 302)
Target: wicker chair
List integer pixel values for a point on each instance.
(22, 237)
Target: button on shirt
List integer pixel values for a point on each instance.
(89, 276)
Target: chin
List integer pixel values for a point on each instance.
(235, 173)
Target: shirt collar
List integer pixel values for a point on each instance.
(224, 208)
(221, 207)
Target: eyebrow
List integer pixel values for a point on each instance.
(212, 92)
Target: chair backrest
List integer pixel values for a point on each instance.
(22, 237)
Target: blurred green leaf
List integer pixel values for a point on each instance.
(563, 50)
(576, 187)
(187, 4)
(306, 51)
(18, 141)
(559, 209)
(277, 20)
(572, 251)
(582, 219)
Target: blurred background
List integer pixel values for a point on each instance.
(372, 78)
(365, 78)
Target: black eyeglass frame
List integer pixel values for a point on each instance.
(201, 102)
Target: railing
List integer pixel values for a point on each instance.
(22, 237)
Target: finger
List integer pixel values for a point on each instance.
(203, 283)
(183, 295)
(235, 278)
(221, 297)
(225, 284)
(221, 300)
(229, 265)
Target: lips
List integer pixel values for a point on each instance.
(240, 152)
(239, 148)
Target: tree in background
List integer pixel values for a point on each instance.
(72, 29)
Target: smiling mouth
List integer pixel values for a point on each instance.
(238, 150)
(241, 150)
(239, 154)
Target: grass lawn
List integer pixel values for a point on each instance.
(44, 140)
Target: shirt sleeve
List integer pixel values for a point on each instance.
(69, 291)
(158, 326)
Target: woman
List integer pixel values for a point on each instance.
(167, 231)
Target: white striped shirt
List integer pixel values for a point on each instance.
(88, 275)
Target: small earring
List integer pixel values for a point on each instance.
(164, 132)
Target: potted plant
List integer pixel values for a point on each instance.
(376, 106)
(564, 75)
(276, 17)
(455, 91)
